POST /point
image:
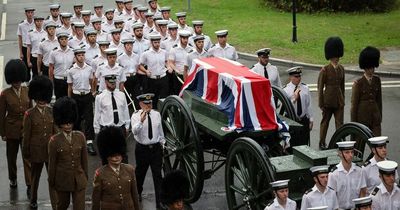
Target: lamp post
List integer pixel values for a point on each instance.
(294, 35)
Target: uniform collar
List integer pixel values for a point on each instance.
(384, 190)
(341, 168)
(76, 66)
(226, 46)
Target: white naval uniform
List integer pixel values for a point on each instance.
(107, 27)
(62, 60)
(118, 13)
(45, 47)
(155, 61)
(167, 44)
(103, 18)
(371, 171)
(102, 36)
(207, 41)
(178, 55)
(91, 52)
(104, 69)
(50, 19)
(64, 29)
(305, 98)
(126, 16)
(273, 73)
(383, 200)
(23, 29)
(129, 63)
(139, 46)
(290, 205)
(193, 55)
(147, 29)
(34, 39)
(314, 197)
(119, 46)
(79, 77)
(75, 43)
(140, 130)
(347, 184)
(103, 110)
(97, 60)
(228, 52)
(75, 18)
(186, 28)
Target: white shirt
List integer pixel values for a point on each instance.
(103, 110)
(79, 77)
(50, 19)
(76, 43)
(130, 63)
(155, 61)
(23, 28)
(228, 52)
(34, 39)
(317, 198)
(383, 200)
(62, 60)
(186, 28)
(119, 46)
(126, 16)
(168, 43)
(305, 98)
(290, 205)
(140, 130)
(371, 171)
(193, 55)
(45, 47)
(107, 27)
(207, 41)
(75, 18)
(103, 18)
(273, 73)
(102, 36)
(139, 46)
(347, 184)
(147, 28)
(178, 55)
(91, 52)
(97, 60)
(105, 69)
(64, 29)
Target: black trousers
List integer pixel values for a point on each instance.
(34, 66)
(28, 73)
(45, 70)
(160, 89)
(305, 121)
(149, 155)
(174, 83)
(60, 88)
(142, 81)
(85, 114)
(132, 86)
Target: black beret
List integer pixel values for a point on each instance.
(174, 187)
(15, 71)
(41, 89)
(369, 58)
(65, 111)
(111, 141)
(333, 48)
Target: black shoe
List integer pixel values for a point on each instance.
(13, 183)
(322, 146)
(90, 149)
(33, 205)
(28, 191)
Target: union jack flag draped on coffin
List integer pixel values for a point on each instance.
(245, 97)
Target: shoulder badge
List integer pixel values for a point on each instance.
(190, 44)
(270, 203)
(21, 21)
(120, 54)
(101, 64)
(175, 45)
(43, 39)
(30, 30)
(48, 17)
(55, 48)
(190, 51)
(95, 56)
(333, 168)
(129, 19)
(104, 31)
(330, 188)
(212, 46)
(308, 191)
(367, 163)
(70, 38)
(376, 190)
(303, 83)
(120, 65)
(71, 66)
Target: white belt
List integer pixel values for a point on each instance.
(60, 77)
(77, 92)
(158, 76)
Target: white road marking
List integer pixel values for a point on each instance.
(4, 1)
(1, 75)
(351, 84)
(3, 26)
(349, 88)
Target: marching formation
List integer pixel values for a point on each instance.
(107, 69)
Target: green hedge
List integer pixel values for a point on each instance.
(336, 5)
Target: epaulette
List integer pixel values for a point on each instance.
(190, 45)
(205, 50)
(95, 56)
(104, 31)
(101, 64)
(284, 86)
(308, 191)
(126, 30)
(190, 51)
(145, 38)
(165, 38)
(175, 45)
(121, 65)
(120, 54)
(330, 188)
(376, 190)
(82, 46)
(150, 31)
(146, 49)
(129, 19)
(367, 163)
(70, 38)
(55, 48)
(303, 83)
(48, 17)
(135, 52)
(213, 45)
(270, 203)
(22, 21)
(30, 30)
(333, 168)
(71, 66)
(43, 39)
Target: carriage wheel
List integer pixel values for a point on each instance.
(283, 105)
(183, 149)
(353, 131)
(248, 174)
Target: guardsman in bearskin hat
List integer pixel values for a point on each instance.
(366, 97)
(68, 164)
(331, 88)
(114, 184)
(14, 101)
(37, 130)
(174, 189)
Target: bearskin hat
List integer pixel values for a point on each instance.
(174, 187)
(111, 141)
(15, 71)
(65, 111)
(41, 89)
(333, 48)
(369, 58)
